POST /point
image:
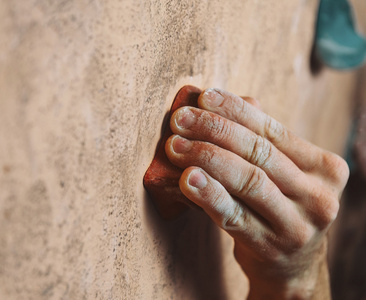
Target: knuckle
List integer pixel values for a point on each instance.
(325, 209)
(328, 213)
(274, 130)
(253, 183)
(234, 219)
(261, 151)
(298, 238)
(335, 168)
(301, 238)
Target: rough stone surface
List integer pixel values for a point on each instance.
(85, 86)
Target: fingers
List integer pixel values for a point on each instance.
(231, 215)
(239, 178)
(245, 169)
(240, 221)
(197, 124)
(252, 101)
(302, 153)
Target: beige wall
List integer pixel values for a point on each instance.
(84, 88)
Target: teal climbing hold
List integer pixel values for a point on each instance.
(337, 42)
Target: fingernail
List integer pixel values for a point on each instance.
(197, 179)
(212, 98)
(181, 145)
(185, 118)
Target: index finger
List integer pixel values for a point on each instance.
(304, 154)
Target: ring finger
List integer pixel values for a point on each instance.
(197, 124)
(240, 178)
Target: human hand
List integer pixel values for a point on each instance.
(273, 192)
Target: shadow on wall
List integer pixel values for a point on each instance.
(190, 248)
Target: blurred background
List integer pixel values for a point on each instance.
(348, 235)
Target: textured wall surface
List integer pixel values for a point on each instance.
(84, 88)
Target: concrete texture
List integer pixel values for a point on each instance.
(85, 86)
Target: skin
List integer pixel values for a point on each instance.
(273, 192)
(360, 145)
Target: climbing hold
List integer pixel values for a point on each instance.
(337, 43)
(161, 179)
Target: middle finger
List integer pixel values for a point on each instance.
(240, 178)
(197, 124)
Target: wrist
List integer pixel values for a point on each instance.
(314, 288)
(300, 281)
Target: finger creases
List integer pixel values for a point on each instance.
(198, 124)
(302, 153)
(248, 183)
(233, 216)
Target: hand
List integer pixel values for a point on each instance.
(273, 192)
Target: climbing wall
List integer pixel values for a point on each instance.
(85, 86)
